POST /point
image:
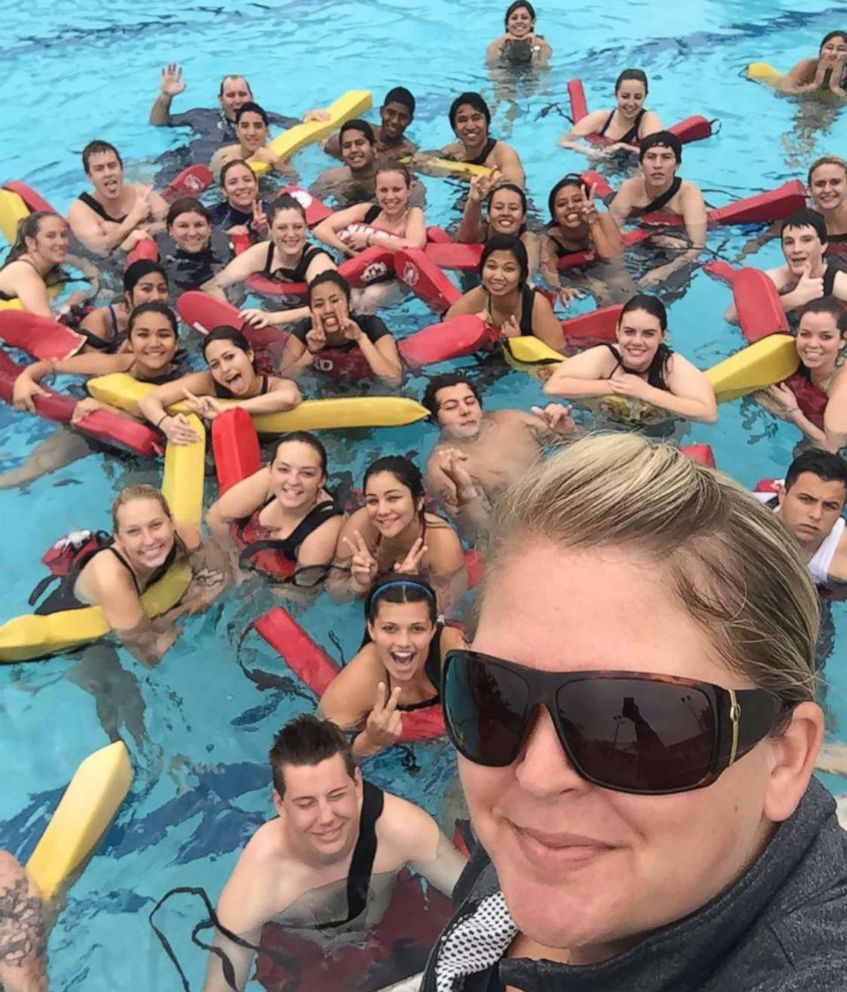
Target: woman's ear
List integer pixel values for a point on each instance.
(794, 753)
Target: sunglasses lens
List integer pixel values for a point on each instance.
(484, 709)
(639, 736)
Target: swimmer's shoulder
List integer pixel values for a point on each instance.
(405, 833)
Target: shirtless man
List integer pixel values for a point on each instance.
(117, 214)
(23, 930)
(810, 504)
(251, 132)
(396, 114)
(470, 119)
(294, 870)
(479, 455)
(659, 189)
(806, 275)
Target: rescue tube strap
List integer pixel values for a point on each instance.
(663, 199)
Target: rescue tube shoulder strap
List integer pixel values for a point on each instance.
(662, 200)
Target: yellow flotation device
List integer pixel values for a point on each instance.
(530, 354)
(462, 168)
(761, 72)
(86, 809)
(12, 210)
(763, 363)
(122, 391)
(345, 108)
(184, 476)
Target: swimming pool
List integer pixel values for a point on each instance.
(198, 728)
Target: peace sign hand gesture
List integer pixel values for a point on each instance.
(590, 214)
(411, 564)
(385, 723)
(363, 565)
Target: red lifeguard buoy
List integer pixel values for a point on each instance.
(426, 280)
(458, 336)
(455, 255)
(700, 453)
(370, 265)
(757, 302)
(146, 248)
(192, 181)
(31, 199)
(437, 235)
(592, 328)
(42, 337)
(203, 312)
(315, 210)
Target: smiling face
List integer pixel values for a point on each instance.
(471, 127)
(296, 475)
(810, 508)
(50, 243)
(519, 23)
(251, 131)
(288, 230)
(240, 187)
(234, 94)
(152, 288)
(659, 165)
(390, 504)
(582, 867)
(819, 341)
(320, 810)
(395, 118)
(152, 341)
(402, 633)
(146, 532)
(231, 367)
(505, 212)
(828, 185)
(356, 150)
(106, 174)
(501, 273)
(392, 192)
(567, 207)
(639, 335)
(330, 307)
(630, 97)
(801, 247)
(458, 412)
(191, 232)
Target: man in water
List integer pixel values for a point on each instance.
(810, 504)
(806, 275)
(329, 860)
(116, 214)
(478, 455)
(23, 930)
(390, 141)
(659, 190)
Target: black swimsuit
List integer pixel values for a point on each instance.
(656, 371)
(298, 273)
(223, 393)
(527, 303)
(660, 201)
(99, 209)
(631, 135)
(254, 534)
(483, 155)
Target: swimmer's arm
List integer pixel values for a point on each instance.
(237, 503)
(471, 302)
(382, 358)
(590, 124)
(242, 913)
(159, 211)
(88, 363)
(23, 930)
(332, 145)
(509, 165)
(754, 244)
(694, 216)
(94, 234)
(801, 78)
(838, 565)
(550, 264)
(341, 583)
(835, 414)
(690, 393)
(415, 236)
(320, 263)
(470, 230)
(545, 325)
(327, 230)
(238, 270)
(153, 405)
(295, 358)
(495, 49)
(468, 509)
(282, 395)
(583, 376)
(606, 236)
(650, 124)
(319, 547)
(621, 206)
(422, 845)
(442, 871)
(31, 290)
(448, 575)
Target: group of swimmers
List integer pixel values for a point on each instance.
(403, 551)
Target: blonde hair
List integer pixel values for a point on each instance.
(140, 491)
(826, 160)
(730, 562)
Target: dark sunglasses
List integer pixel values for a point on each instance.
(628, 731)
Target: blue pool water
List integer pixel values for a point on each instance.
(199, 729)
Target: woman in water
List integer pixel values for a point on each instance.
(393, 533)
(470, 119)
(231, 376)
(397, 670)
(825, 74)
(639, 381)
(828, 186)
(627, 124)
(286, 258)
(389, 223)
(241, 212)
(519, 44)
(505, 213)
(576, 225)
(355, 345)
(804, 399)
(194, 253)
(251, 129)
(284, 518)
(504, 300)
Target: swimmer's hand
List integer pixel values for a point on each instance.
(385, 722)
(84, 407)
(315, 115)
(140, 210)
(255, 318)
(259, 223)
(589, 211)
(510, 328)
(411, 564)
(204, 406)
(567, 294)
(785, 400)
(628, 384)
(315, 339)
(77, 298)
(555, 417)
(808, 288)
(177, 429)
(480, 188)
(172, 81)
(24, 393)
(351, 329)
(363, 565)
(459, 485)
(357, 240)
(619, 146)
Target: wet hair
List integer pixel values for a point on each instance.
(97, 148)
(225, 332)
(308, 740)
(332, 276)
(28, 227)
(571, 179)
(826, 160)
(251, 108)
(806, 218)
(304, 437)
(152, 307)
(636, 75)
(140, 491)
(506, 242)
(830, 36)
(823, 464)
(650, 304)
(517, 6)
(396, 167)
(444, 381)
(228, 168)
(717, 547)
(472, 100)
(285, 201)
(357, 125)
(664, 139)
(510, 186)
(399, 94)
(400, 589)
(231, 76)
(133, 274)
(186, 205)
(403, 469)
(830, 305)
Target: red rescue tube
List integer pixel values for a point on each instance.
(721, 270)
(271, 287)
(146, 249)
(700, 453)
(235, 445)
(42, 337)
(593, 328)
(694, 128)
(371, 265)
(190, 182)
(29, 196)
(204, 312)
(308, 660)
(576, 95)
(775, 204)
(601, 185)
(120, 432)
(453, 255)
(768, 486)
(757, 302)
(437, 236)
(425, 279)
(315, 210)
(458, 336)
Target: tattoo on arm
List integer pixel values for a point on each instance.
(23, 927)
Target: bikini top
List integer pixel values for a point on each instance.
(527, 303)
(656, 371)
(256, 537)
(631, 135)
(298, 273)
(223, 393)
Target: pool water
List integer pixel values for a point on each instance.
(197, 726)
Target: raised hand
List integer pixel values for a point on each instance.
(411, 564)
(140, 210)
(172, 81)
(315, 338)
(385, 722)
(363, 565)
(808, 287)
(510, 328)
(204, 406)
(566, 294)
(555, 417)
(351, 330)
(177, 429)
(259, 223)
(480, 188)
